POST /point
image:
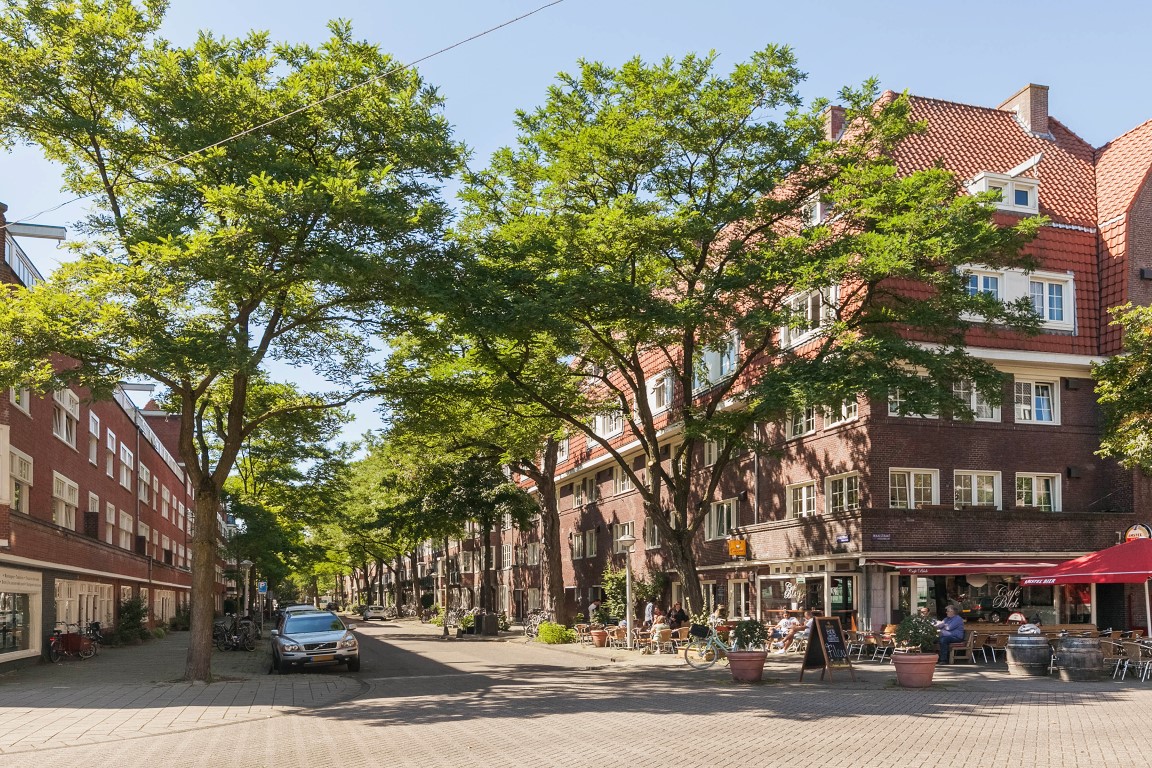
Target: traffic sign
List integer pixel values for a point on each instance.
(262, 587)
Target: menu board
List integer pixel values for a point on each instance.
(827, 648)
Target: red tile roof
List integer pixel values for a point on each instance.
(968, 140)
(1122, 167)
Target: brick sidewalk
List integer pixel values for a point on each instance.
(136, 691)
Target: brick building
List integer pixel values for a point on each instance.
(94, 507)
(867, 513)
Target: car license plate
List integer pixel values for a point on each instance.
(328, 657)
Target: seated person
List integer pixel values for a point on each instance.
(951, 631)
(797, 631)
(677, 617)
(784, 626)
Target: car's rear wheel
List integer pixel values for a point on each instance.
(354, 665)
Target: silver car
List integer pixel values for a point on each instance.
(314, 638)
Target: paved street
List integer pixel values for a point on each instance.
(423, 702)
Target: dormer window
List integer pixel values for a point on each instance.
(1016, 193)
(814, 211)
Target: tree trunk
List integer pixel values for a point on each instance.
(684, 561)
(551, 558)
(198, 664)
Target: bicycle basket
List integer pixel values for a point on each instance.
(698, 630)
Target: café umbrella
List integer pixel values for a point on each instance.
(1127, 563)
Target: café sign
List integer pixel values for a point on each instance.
(1138, 531)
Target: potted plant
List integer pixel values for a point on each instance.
(749, 650)
(915, 664)
(467, 623)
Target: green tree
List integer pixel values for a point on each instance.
(286, 242)
(1124, 388)
(651, 233)
(438, 385)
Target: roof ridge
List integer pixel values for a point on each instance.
(960, 104)
(1126, 133)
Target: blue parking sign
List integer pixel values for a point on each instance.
(262, 587)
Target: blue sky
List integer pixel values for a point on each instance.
(977, 52)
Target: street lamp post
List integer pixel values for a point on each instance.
(627, 541)
(246, 564)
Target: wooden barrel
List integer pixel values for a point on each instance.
(1028, 655)
(1080, 659)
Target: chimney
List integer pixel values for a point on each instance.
(833, 122)
(1030, 104)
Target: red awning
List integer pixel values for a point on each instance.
(957, 567)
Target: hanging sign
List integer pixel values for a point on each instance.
(1138, 531)
(737, 548)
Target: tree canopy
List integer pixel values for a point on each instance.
(252, 203)
(653, 236)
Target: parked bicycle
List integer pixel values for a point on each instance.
(94, 632)
(235, 633)
(535, 618)
(64, 642)
(705, 647)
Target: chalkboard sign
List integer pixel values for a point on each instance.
(827, 648)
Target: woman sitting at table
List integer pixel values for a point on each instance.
(951, 631)
(676, 617)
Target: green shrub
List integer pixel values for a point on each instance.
(181, 622)
(502, 622)
(917, 633)
(159, 633)
(467, 621)
(555, 634)
(130, 626)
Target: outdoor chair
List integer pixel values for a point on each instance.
(680, 637)
(1135, 656)
(583, 634)
(1113, 656)
(663, 642)
(997, 643)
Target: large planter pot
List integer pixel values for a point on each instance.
(1028, 655)
(747, 666)
(914, 670)
(599, 638)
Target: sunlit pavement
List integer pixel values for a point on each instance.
(423, 701)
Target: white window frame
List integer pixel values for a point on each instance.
(660, 392)
(912, 475)
(974, 476)
(609, 424)
(562, 450)
(532, 553)
(619, 530)
(982, 409)
(1015, 284)
(578, 545)
(127, 465)
(711, 452)
(1045, 309)
(1027, 389)
(65, 416)
(651, 534)
(21, 398)
(802, 499)
(720, 520)
(65, 501)
(716, 363)
(590, 542)
(985, 281)
(1034, 479)
(849, 410)
(817, 307)
(1008, 186)
(846, 487)
(585, 491)
(622, 481)
(145, 484)
(506, 557)
(21, 472)
(800, 423)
